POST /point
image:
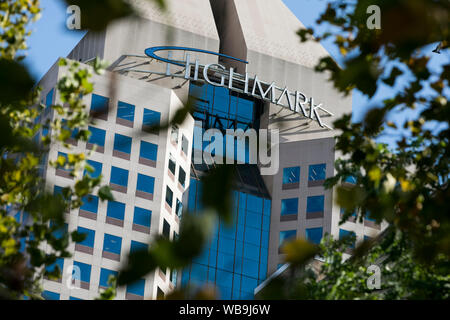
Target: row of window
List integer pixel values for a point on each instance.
(82, 273)
(122, 145)
(125, 112)
(317, 172)
(314, 235)
(174, 137)
(181, 172)
(111, 243)
(119, 178)
(313, 204)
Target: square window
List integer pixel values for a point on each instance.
(90, 237)
(315, 204)
(172, 164)
(99, 107)
(317, 172)
(137, 288)
(291, 175)
(184, 145)
(149, 151)
(59, 263)
(49, 98)
(182, 177)
(169, 196)
(174, 135)
(119, 176)
(145, 183)
(105, 275)
(142, 217)
(314, 235)
(66, 163)
(84, 272)
(97, 138)
(289, 206)
(138, 246)
(97, 169)
(122, 144)
(179, 209)
(90, 204)
(151, 118)
(49, 295)
(166, 229)
(286, 236)
(116, 210)
(112, 244)
(347, 234)
(125, 114)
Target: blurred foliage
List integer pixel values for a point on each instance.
(405, 185)
(29, 247)
(335, 278)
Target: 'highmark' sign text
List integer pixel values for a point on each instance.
(217, 75)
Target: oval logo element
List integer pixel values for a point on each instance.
(151, 52)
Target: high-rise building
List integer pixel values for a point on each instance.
(265, 80)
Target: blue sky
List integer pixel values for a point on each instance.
(51, 40)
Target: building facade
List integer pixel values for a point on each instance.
(153, 177)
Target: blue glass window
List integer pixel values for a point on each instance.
(49, 295)
(184, 145)
(59, 233)
(85, 271)
(74, 298)
(151, 118)
(112, 244)
(60, 263)
(125, 111)
(97, 166)
(182, 177)
(119, 176)
(49, 98)
(368, 216)
(64, 125)
(166, 229)
(179, 209)
(289, 206)
(291, 175)
(345, 234)
(145, 183)
(116, 210)
(122, 143)
(317, 172)
(314, 235)
(137, 288)
(99, 104)
(287, 236)
(90, 204)
(149, 151)
(105, 274)
(90, 237)
(138, 246)
(169, 196)
(142, 217)
(64, 155)
(97, 136)
(315, 204)
(350, 179)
